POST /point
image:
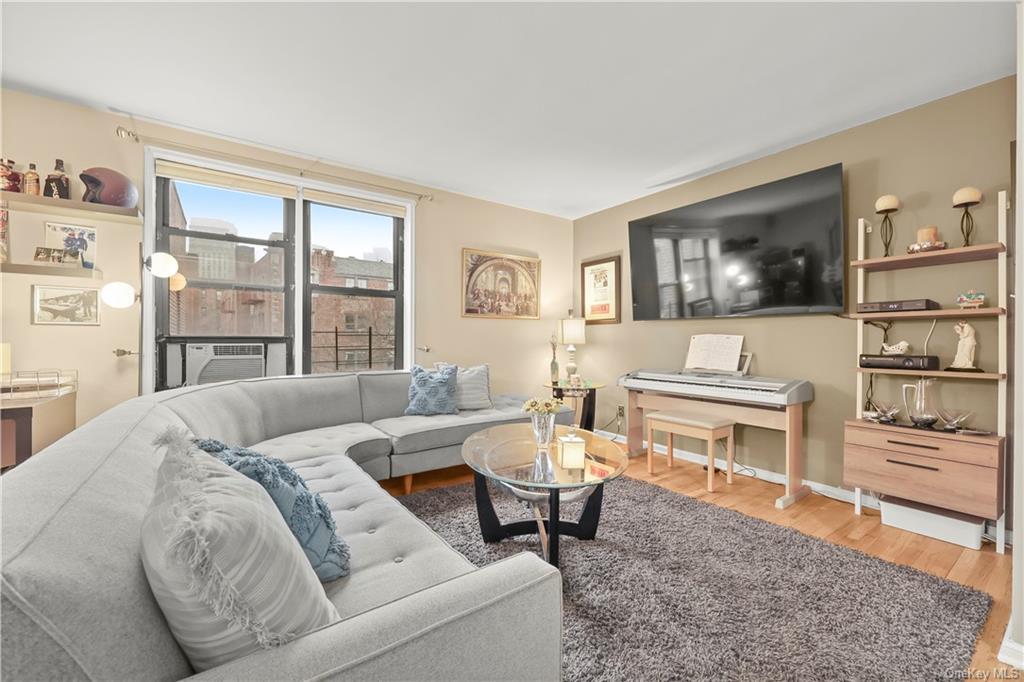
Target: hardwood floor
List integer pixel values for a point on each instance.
(825, 518)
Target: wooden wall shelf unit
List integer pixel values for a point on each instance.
(69, 207)
(960, 254)
(955, 313)
(932, 467)
(49, 270)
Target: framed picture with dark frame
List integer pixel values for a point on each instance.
(601, 290)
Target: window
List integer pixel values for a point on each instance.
(234, 233)
(354, 294)
(235, 250)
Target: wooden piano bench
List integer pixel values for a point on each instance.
(706, 428)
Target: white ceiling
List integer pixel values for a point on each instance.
(564, 109)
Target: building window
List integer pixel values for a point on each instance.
(354, 293)
(236, 252)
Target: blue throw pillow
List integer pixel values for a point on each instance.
(432, 392)
(305, 512)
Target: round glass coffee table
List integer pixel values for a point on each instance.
(509, 455)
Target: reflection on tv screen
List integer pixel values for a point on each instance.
(776, 249)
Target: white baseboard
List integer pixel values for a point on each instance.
(832, 491)
(1011, 652)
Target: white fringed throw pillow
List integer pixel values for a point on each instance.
(229, 576)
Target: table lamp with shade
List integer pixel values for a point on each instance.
(572, 332)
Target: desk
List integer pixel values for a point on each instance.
(587, 393)
(789, 419)
(27, 425)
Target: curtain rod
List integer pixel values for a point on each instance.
(127, 134)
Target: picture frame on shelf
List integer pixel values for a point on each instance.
(79, 242)
(45, 254)
(500, 285)
(601, 290)
(58, 305)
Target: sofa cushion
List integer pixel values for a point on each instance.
(472, 387)
(291, 404)
(415, 433)
(304, 511)
(383, 394)
(393, 553)
(432, 392)
(74, 592)
(358, 441)
(226, 571)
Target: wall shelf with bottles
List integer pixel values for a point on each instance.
(17, 201)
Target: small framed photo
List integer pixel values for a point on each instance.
(77, 306)
(77, 241)
(600, 290)
(45, 254)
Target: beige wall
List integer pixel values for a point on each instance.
(37, 129)
(922, 155)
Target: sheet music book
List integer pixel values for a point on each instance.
(720, 352)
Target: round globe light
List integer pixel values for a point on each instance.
(162, 264)
(732, 271)
(118, 295)
(177, 282)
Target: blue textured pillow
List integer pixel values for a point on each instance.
(305, 512)
(432, 392)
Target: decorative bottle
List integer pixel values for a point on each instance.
(554, 362)
(10, 179)
(30, 181)
(57, 184)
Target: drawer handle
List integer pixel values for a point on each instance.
(913, 445)
(908, 464)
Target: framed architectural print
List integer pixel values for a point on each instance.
(600, 290)
(500, 285)
(65, 305)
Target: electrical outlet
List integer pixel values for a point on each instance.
(620, 411)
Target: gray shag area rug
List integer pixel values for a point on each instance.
(676, 588)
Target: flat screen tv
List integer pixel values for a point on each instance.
(775, 249)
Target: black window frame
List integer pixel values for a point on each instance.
(397, 291)
(164, 231)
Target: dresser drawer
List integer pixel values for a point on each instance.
(966, 488)
(920, 443)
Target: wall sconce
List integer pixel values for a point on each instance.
(177, 282)
(119, 295)
(885, 206)
(964, 198)
(163, 265)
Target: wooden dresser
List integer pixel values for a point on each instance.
(961, 473)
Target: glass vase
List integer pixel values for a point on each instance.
(543, 429)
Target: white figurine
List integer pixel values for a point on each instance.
(901, 348)
(965, 347)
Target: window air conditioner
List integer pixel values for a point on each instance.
(207, 363)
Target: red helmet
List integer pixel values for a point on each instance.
(107, 186)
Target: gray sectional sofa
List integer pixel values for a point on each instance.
(76, 603)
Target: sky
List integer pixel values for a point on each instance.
(346, 232)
